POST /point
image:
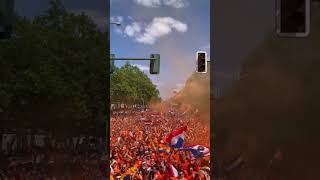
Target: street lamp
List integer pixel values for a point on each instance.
(116, 23)
(112, 55)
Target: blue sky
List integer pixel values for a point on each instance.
(175, 29)
(239, 26)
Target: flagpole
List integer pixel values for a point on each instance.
(171, 152)
(168, 159)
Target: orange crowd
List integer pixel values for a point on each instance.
(139, 150)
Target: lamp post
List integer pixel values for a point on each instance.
(116, 23)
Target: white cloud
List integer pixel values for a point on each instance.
(130, 18)
(159, 27)
(148, 3)
(158, 3)
(117, 19)
(142, 67)
(118, 30)
(175, 3)
(133, 29)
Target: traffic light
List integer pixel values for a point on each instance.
(155, 64)
(293, 17)
(6, 18)
(201, 62)
(112, 63)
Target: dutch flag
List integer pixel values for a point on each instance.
(198, 151)
(176, 138)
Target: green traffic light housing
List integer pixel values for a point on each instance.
(155, 64)
(6, 18)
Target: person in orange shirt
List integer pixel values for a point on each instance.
(116, 169)
(181, 176)
(137, 164)
(191, 174)
(185, 165)
(111, 177)
(157, 175)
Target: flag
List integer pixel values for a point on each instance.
(147, 122)
(172, 170)
(198, 151)
(176, 138)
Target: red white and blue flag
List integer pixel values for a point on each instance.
(172, 170)
(147, 122)
(176, 138)
(198, 151)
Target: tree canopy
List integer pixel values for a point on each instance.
(55, 69)
(130, 85)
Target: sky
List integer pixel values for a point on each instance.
(175, 29)
(238, 28)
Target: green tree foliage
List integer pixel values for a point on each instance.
(129, 85)
(55, 70)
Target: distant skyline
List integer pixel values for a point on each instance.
(175, 29)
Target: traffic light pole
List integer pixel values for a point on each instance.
(154, 62)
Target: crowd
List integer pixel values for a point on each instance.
(139, 150)
(53, 161)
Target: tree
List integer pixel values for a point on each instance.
(129, 85)
(55, 71)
